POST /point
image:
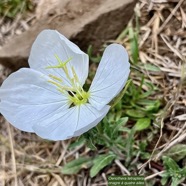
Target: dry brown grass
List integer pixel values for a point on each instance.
(164, 46)
(27, 160)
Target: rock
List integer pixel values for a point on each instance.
(85, 22)
(50, 7)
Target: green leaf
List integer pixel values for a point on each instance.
(183, 172)
(177, 152)
(10, 8)
(175, 181)
(129, 146)
(100, 162)
(90, 138)
(151, 67)
(77, 143)
(119, 124)
(135, 113)
(170, 164)
(173, 170)
(93, 59)
(146, 94)
(154, 106)
(133, 44)
(76, 165)
(142, 124)
(149, 105)
(164, 180)
(121, 94)
(123, 34)
(165, 177)
(91, 144)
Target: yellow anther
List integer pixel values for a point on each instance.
(55, 78)
(60, 90)
(75, 92)
(74, 74)
(55, 83)
(67, 88)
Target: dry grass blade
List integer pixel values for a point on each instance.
(12, 154)
(174, 50)
(154, 175)
(3, 164)
(170, 16)
(122, 167)
(59, 179)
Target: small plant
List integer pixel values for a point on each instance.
(10, 8)
(172, 172)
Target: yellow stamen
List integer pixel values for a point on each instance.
(55, 78)
(55, 83)
(75, 75)
(75, 92)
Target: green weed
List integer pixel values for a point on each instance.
(132, 112)
(173, 172)
(10, 8)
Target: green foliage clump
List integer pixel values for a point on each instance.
(10, 8)
(172, 172)
(118, 135)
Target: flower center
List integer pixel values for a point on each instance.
(80, 98)
(74, 92)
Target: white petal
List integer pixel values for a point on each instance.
(50, 43)
(58, 126)
(75, 121)
(26, 96)
(111, 76)
(88, 114)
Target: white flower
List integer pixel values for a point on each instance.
(48, 98)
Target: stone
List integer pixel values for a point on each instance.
(85, 22)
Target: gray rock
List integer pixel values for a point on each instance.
(85, 22)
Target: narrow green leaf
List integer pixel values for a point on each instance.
(77, 143)
(133, 44)
(146, 94)
(92, 58)
(175, 181)
(122, 34)
(91, 144)
(164, 180)
(153, 107)
(149, 105)
(183, 172)
(151, 67)
(177, 152)
(100, 162)
(142, 124)
(129, 146)
(120, 124)
(135, 113)
(119, 97)
(170, 164)
(75, 166)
